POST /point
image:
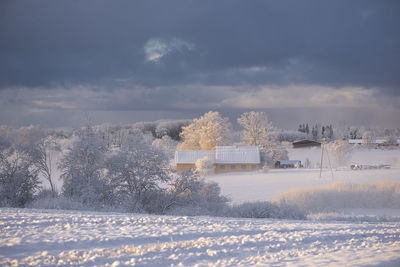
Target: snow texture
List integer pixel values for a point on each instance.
(48, 238)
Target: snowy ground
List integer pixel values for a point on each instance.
(258, 186)
(47, 238)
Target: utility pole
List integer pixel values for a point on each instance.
(322, 157)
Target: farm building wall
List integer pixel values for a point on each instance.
(184, 167)
(222, 168)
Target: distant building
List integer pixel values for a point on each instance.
(225, 158)
(355, 141)
(284, 164)
(379, 141)
(306, 143)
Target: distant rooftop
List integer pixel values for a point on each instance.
(191, 156)
(237, 154)
(221, 155)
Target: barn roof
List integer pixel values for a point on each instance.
(222, 155)
(190, 157)
(237, 154)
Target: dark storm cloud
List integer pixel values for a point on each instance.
(335, 43)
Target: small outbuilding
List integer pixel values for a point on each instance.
(285, 164)
(306, 143)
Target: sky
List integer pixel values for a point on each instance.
(62, 62)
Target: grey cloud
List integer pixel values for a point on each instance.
(336, 43)
(186, 57)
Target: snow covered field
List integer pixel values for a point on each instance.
(258, 186)
(50, 237)
(55, 237)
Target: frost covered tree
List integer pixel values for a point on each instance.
(315, 132)
(135, 174)
(341, 151)
(257, 130)
(206, 132)
(204, 167)
(43, 154)
(352, 133)
(18, 177)
(167, 145)
(171, 128)
(368, 139)
(82, 168)
(188, 193)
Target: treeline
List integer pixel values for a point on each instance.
(318, 131)
(114, 135)
(135, 177)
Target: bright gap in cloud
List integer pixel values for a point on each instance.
(157, 48)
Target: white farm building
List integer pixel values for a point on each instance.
(224, 158)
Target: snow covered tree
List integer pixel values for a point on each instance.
(353, 133)
(43, 154)
(257, 130)
(341, 151)
(206, 132)
(205, 167)
(315, 132)
(135, 174)
(171, 128)
(368, 139)
(166, 144)
(190, 194)
(18, 177)
(82, 169)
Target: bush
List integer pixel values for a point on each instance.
(189, 194)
